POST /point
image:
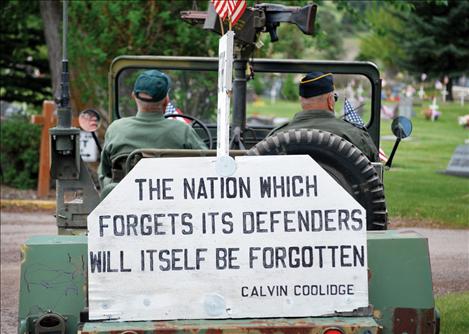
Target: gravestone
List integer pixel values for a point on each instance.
(459, 163)
(421, 93)
(405, 106)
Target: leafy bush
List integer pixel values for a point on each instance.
(19, 156)
(290, 89)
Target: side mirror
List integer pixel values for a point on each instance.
(89, 120)
(402, 128)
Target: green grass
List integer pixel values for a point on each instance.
(414, 188)
(454, 310)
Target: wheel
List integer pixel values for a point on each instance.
(342, 160)
(195, 121)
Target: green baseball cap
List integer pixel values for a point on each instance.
(153, 83)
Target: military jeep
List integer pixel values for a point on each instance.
(54, 285)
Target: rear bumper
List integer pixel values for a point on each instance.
(349, 325)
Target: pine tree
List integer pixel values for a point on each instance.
(436, 40)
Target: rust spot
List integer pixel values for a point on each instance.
(377, 314)
(427, 321)
(405, 320)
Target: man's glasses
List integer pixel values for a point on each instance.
(336, 97)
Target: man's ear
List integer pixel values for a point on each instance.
(330, 102)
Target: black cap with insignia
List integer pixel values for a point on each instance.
(316, 83)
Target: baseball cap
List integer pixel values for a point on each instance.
(153, 83)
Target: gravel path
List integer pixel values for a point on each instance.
(449, 253)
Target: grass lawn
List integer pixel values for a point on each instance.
(414, 188)
(454, 310)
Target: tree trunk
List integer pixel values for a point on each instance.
(449, 89)
(50, 13)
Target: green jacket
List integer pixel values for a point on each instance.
(145, 130)
(325, 120)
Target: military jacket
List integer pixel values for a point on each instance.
(145, 130)
(325, 120)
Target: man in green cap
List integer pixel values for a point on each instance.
(318, 99)
(148, 129)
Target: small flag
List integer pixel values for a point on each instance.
(221, 7)
(171, 109)
(237, 8)
(351, 116)
(382, 156)
(232, 8)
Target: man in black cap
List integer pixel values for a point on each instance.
(148, 129)
(318, 99)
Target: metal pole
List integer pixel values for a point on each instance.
(239, 95)
(64, 114)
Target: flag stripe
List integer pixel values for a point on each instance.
(238, 11)
(233, 8)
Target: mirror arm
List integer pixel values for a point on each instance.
(391, 157)
(96, 140)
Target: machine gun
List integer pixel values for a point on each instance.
(255, 20)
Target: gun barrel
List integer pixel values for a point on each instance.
(194, 16)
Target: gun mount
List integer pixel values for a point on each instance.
(262, 18)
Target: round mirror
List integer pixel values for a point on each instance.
(401, 127)
(89, 120)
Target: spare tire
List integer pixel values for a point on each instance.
(341, 159)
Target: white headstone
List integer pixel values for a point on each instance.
(174, 240)
(421, 93)
(444, 92)
(405, 106)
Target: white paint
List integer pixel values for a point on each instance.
(225, 69)
(210, 293)
(88, 149)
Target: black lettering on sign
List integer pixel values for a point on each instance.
(151, 189)
(248, 222)
(119, 225)
(358, 221)
(225, 258)
(102, 226)
(101, 262)
(288, 186)
(217, 187)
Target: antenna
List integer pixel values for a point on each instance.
(64, 114)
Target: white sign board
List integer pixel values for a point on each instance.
(88, 148)
(279, 238)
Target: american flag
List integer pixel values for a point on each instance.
(351, 116)
(232, 8)
(171, 109)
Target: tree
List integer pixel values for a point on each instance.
(23, 61)
(380, 45)
(51, 13)
(99, 31)
(436, 41)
